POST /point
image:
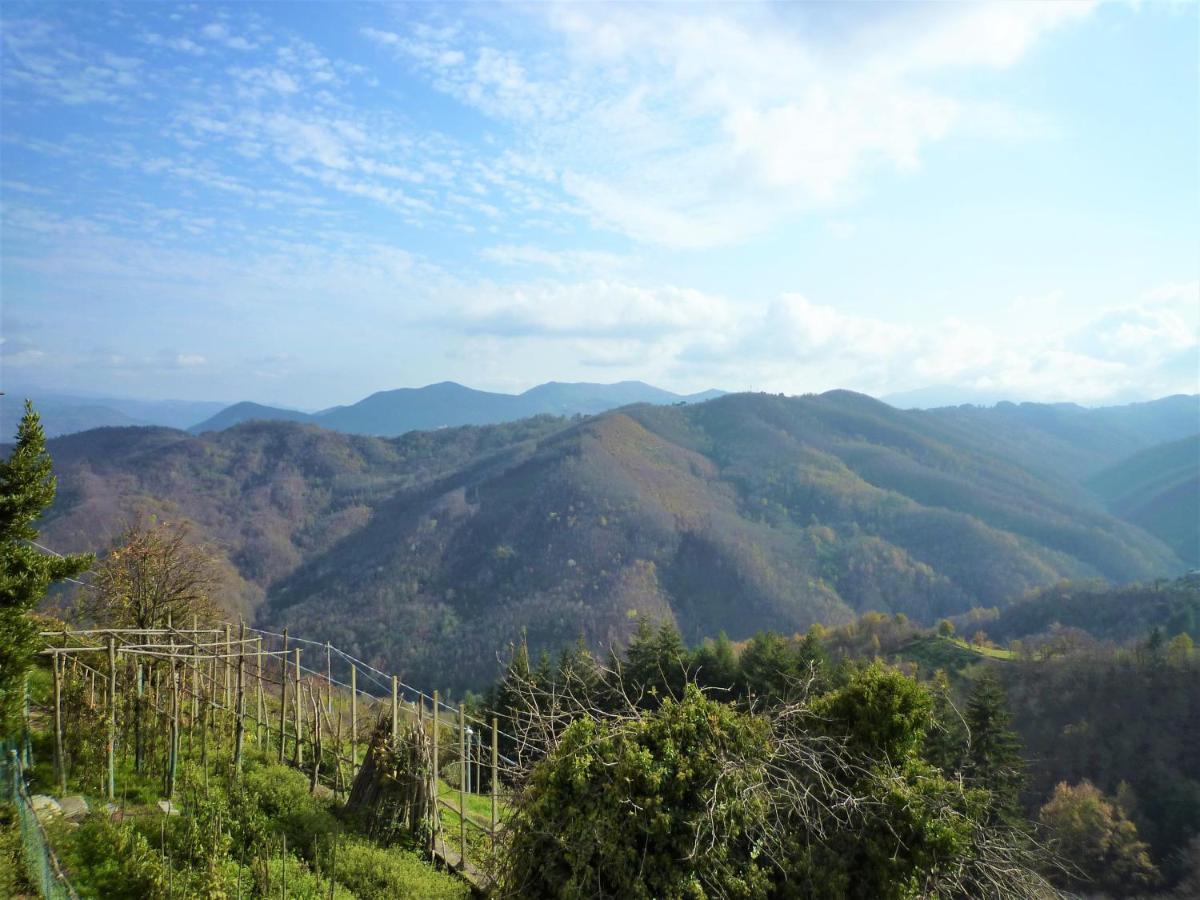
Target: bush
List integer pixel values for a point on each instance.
(644, 807)
(113, 860)
(373, 873)
(281, 794)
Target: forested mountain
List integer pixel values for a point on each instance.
(67, 413)
(1158, 489)
(434, 549)
(1068, 441)
(391, 413)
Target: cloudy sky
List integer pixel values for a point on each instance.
(306, 203)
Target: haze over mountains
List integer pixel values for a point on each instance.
(384, 413)
(430, 550)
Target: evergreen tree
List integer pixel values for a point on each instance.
(716, 664)
(993, 757)
(657, 664)
(769, 668)
(27, 488)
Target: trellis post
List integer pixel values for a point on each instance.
(112, 716)
(433, 788)
(241, 701)
(395, 709)
(353, 722)
(283, 697)
(60, 764)
(495, 779)
(299, 705)
(464, 766)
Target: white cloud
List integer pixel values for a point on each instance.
(695, 126)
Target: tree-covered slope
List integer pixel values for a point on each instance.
(1159, 490)
(750, 511)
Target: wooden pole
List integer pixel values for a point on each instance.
(395, 709)
(495, 779)
(464, 773)
(227, 673)
(173, 751)
(328, 677)
(434, 792)
(283, 697)
(239, 734)
(353, 722)
(260, 719)
(112, 717)
(60, 764)
(299, 711)
(195, 676)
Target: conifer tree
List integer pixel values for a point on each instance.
(993, 757)
(27, 488)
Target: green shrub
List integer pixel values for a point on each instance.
(281, 794)
(374, 873)
(112, 859)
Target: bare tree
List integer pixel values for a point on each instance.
(155, 574)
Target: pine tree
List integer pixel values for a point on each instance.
(27, 488)
(993, 757)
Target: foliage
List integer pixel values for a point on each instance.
(372, 873)
(1094, 835)
(993, 757)
(113, 859)
(424, 553)
(621, 809)
(27, 488)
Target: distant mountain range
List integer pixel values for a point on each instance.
(386, 413)
(430, 551)
(447, 404)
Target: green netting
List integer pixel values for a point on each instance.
(40, 862)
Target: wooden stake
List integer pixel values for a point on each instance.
(463, 775)
(299, 709)
(434, 792)
(60, 764)
(283, 697)
(328, 673)
(495, 779)
(228, 672)
(240, 725)
(173, 750)
(353, 722)
(112, 716)
(395, 709)
(260, 719)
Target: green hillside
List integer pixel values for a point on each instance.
(1159, 490)
(429, 551)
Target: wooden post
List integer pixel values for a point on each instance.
(260, 719)
(495, 778)
(227, 673)
(195, 673)
(434, 792)
(464, 773)
(173, 750)
(283, 697)
(299, 709)
(353, 722)
(395, 709)
(60, 764)
(240, 725)
(112, 716)
(328, 677)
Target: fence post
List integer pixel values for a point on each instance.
(328, 678)
(60, 763)
(395, 709)
(353, 722)
(260, 719)
(495, 767)
(241, 701)
(434, 788)
(299, 704)
(112, 717)
(283, 698)
(464, 773)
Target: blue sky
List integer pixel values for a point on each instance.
(306, 203)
